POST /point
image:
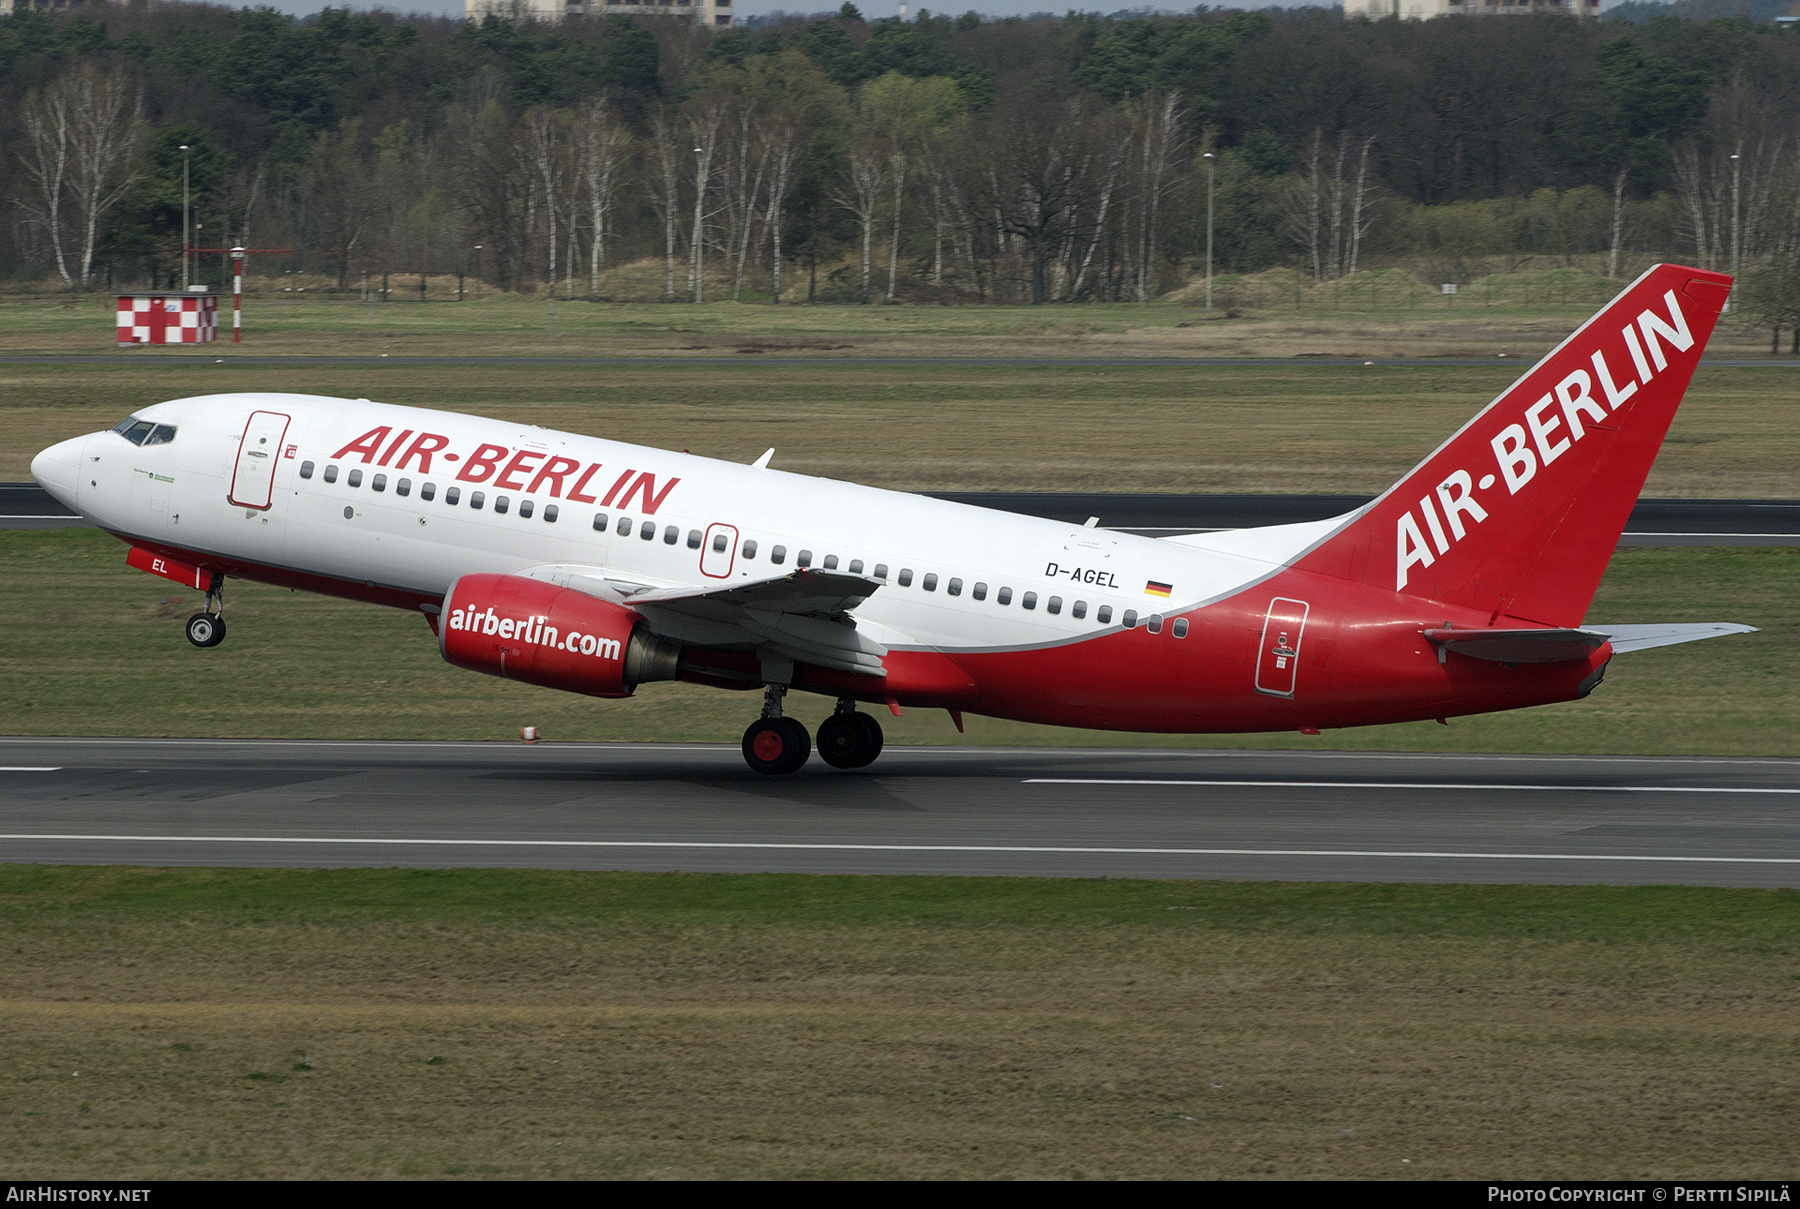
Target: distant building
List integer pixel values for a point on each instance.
(706, 12)
(1424, 10)
(8, 7)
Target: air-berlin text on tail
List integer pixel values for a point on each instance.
(531, 631)
(511, 469)
(1548, 429)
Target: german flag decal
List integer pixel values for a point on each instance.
(1155, 589)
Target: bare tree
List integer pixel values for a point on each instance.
(860, 191)
(1162, 133)
(49, 136)
(542, 144)
(897, 158)
(107, 115)
(1359, 225)
(667, 150)
(781, 147)
(600, 148)
(749, 161)
(705, 126)
(1618, 218)
(1302, 208)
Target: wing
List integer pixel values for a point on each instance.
(805, 615)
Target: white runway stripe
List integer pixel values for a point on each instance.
(1000, 848)
(1401, 785)
(30, 768)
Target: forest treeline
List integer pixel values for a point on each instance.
(943, 157)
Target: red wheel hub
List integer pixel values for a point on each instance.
(768, 746)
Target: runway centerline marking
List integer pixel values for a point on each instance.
(30, 768)
(1026, 849)
(1402, 785)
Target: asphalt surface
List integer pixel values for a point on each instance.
(967, 811)
(812, 360)
(1653, 522)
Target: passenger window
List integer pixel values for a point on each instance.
(778, 555)
(671, 535)
(906, 577)
(500, 504)
(1154, 625)
(979, 591)
(881, 571)
(1180, 627)
(856, 566)
(476, 499)
(624, 529)
(1130, 619)
(954, 587)
(162, 434)
(1104, 616)
(355, 479)
(1004, 597)
(427, 491)
(600, 522)
(831, 562)
(1029, 601)
(1055, 605)
(306, 470)
(931, 581)
(549, 514)
(719, 543)
(1078, 610)
(403, 487)
(331, 474)
(452, 496)
(379, 483)
(750, 548)
(803, 559)
(694, 539)
(525, 507)
(647, 531)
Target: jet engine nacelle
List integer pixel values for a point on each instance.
(525, 629)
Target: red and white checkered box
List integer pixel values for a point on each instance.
(168, 318)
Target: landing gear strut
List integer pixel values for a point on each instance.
(849, 739)
(775, 745)
(208, 628)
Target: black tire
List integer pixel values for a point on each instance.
(843, 741)
(872, 739)
(776, 746)
(206, 629)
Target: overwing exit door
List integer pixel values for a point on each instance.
(253, 481)
(1278, 656)
(719, 552)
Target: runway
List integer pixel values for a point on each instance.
(1653, 522)
(810, 359)
(939, 811)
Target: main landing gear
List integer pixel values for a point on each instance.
(208, 628)
(777, 745)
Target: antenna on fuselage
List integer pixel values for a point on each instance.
(762, 463)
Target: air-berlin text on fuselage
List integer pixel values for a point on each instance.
(508, 469)
(531, 631)
(1545, 431)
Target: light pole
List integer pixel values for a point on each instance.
(1737, 164)
(184, 218)
(1210, 162)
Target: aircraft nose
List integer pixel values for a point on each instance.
(58, 471)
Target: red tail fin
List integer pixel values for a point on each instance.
(1518, 514)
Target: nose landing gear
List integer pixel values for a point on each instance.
(207, 629)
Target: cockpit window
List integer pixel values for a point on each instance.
(135, 430)
(162, 434)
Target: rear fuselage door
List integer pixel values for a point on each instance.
(1278, 657)
(720, 550)
(254, 478)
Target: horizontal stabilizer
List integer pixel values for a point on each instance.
(1517, 646)
(1642, 637)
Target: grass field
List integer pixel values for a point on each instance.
(98, 650)
(1302, 429)
(366, 1023)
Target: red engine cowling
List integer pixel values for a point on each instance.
(525, 629)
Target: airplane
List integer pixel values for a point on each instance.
(594, 566)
